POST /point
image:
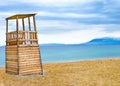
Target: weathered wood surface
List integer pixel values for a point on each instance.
(12, 72)
(28, 59)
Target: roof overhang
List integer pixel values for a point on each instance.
(20, 16)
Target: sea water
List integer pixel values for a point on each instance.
(77, 53)
(72, 53)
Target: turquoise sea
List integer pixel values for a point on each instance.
(72, 53)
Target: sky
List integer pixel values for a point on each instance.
(66, 21)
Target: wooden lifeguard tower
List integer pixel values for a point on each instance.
(22, 49)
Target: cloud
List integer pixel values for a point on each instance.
(55, 26)
(75, 37)
(79, 20)
(47, 2)
(70, 15)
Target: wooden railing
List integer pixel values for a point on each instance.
(22, 38)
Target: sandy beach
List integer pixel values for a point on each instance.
(83, 73)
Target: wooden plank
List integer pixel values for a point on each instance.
(29, 53)
(30, 59)
(30, 72)
(25, 45)
(11, 72)
(11, 47)
(9, 69)
(15, 55)
(13, 60)
(11, 56)
(30, 66)
(28, 50)
(11, 40)
(10, 62)
(22, 65)
(11, 52)
(29, 62)
(24, 53)
(12, 68)
(23, 68)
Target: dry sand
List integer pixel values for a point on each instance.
(83, 73)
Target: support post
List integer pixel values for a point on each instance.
(35, 28)
(17, 29)
(6, 43)
(34, 23)
(23, 24)
(6, 26)
(17, 44)
(29, 24)
(6, 31)
(29, 29)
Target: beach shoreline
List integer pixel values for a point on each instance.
(104, 72)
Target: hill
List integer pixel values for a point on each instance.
(104, 41)
(98, 41)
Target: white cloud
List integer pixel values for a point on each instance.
(50, 25)
(67, 31)
(76, 37)
(70, 15)
(46, 2)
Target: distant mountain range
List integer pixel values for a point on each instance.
(104, 41)
(99, 41)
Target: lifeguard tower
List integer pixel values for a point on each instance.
(22, 49)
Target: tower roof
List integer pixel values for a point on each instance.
(20, 16)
